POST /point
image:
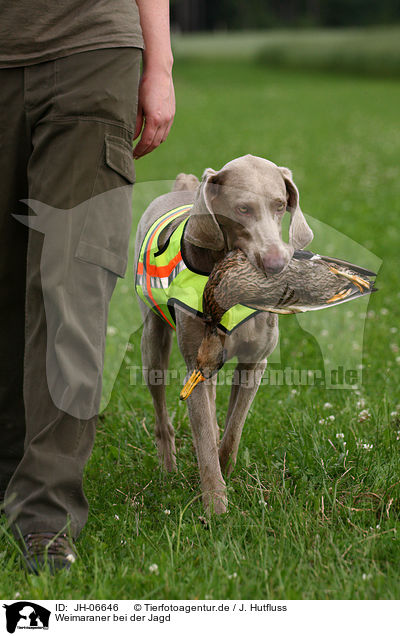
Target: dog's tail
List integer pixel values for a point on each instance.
(187, 182)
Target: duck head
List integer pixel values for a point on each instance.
(211, 357)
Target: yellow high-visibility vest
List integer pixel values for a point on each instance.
(164, 280)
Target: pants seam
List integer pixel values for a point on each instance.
(100, 120)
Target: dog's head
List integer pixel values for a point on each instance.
(242, 206)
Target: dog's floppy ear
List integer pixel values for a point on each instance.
(300, 233)
(202, 228)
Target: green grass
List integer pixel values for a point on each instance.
(310, 517)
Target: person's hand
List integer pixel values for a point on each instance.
(156, 110)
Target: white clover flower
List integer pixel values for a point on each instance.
(384, 311)
(153, 568)
(327, 405)
(360, 403)
(232, 576)
(394, 414)
(324, 332)
(339, 435)
(393, 329)
(167, 512)
(364, 415)
(111, 331)
(394, 347)
(116, 517)
(322, 421)
(398, 359)
(368, 446)
(331, 418)
(294, 391)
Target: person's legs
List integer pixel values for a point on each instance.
(81, 111)
(15, 149)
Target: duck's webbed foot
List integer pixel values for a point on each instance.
(339, 296)
(356, 280)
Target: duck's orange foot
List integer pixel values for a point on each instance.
(340, 296)
(359, 282)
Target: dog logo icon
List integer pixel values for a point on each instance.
(26, 615)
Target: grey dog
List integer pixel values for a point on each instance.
(239, 206)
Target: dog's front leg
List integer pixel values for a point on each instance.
(201, 407)
(247, 379)
(156, 346)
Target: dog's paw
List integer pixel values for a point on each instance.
(167, 461)
(215, 503)
(165, 440)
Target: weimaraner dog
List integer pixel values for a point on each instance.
(240, 206)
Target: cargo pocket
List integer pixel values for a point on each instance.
(104, 239)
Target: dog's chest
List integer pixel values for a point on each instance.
(255, 339)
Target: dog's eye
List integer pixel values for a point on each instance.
(281, 207)
(243, 209)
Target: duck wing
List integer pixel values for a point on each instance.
(307, 255)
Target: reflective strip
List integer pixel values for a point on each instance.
(148, 268)
(164, 270)
(165, 281)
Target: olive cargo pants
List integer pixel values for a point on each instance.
(66, 133)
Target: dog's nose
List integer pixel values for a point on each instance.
(274, 262)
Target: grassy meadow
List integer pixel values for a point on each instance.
(315, 496)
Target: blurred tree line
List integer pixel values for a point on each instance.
(209, 15)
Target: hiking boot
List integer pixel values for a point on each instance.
(48, 548)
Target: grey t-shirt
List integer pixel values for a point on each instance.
(33, 31)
